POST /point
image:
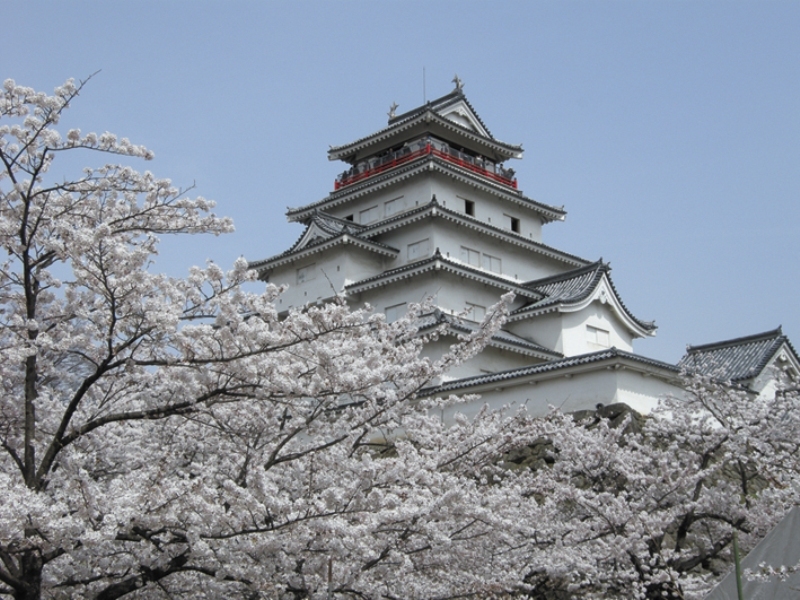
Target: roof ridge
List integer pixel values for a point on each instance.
(434, 203)
(417, 167)
(429, 104)
(553, 365)
(499, 280)
(740, 341)
(571, 274)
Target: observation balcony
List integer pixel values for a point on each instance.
(421, 147)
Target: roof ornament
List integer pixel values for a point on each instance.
(458, 82)
(393, 110)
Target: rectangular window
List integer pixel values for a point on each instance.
(419, 249)
(392, 207)
(492, 263)
(475, 312)
(369, 215)
(470, 256)
(600, 337)
(513, 223)
(469, 207)
(307, 273)
(395, 312)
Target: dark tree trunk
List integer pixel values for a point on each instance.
(31, 566)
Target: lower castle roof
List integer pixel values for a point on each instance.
(738, 359)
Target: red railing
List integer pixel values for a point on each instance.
(403, 156)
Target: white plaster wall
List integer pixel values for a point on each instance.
(414, 192)
(488, 207)
(642, 392)
(517, 262)
(402, 237)
(596, 314)
(491, 360)
(415, 289)
(334, 268)
(769, 380)
(569, 394)
(450, 292)
(546, 330)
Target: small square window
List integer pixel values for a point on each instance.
(369, 215)
(395, 312)
(600, 337)
(475, 312)
(470, 256)
(469, 207)
(306, 273)
(393, 207)
(513, 223)
(419, 249)
(492, 263)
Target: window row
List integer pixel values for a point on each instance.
(390, 208)
(481, 260)
(509, 222)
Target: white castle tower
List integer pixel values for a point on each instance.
(428, 208)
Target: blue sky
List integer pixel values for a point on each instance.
(670, 131)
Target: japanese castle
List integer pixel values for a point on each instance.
(428, 208)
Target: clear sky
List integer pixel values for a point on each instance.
(670, 131)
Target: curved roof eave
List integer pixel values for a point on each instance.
(592, 291)
(577, 365)
(346, 151)
(426, 163)
(343, 239)
(434, 209)
(437, 262)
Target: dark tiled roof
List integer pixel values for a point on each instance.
(440, 104)
(399, 122)
(553, 365)
(472, 222)
(415, 167)
(437, 318)
(735, 360)
(330, 229)
(573, 287)
(437, 261)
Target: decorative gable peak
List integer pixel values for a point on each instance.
(453, 106)
(461, 113)
(450, 118)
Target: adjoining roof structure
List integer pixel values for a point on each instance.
(739, 359)
(574, 289)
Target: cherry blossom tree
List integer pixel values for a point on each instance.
(171, 438)
(647, 507)
(167, 437)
